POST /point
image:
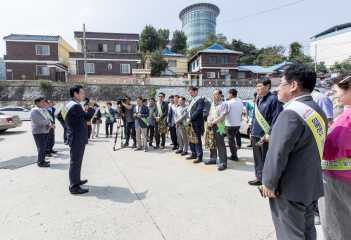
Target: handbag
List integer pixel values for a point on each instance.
(210, 140)
(190, 133)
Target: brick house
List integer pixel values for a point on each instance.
(33, 57)
(111, 58)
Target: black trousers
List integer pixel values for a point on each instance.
(293, 220)
(238, 138)
(157, 136)
(64, 135)
(231, 135)
(41, 146)
(109, 125)
(173, 131)
(196, 149)
(259, 156)
(50, 140)
(77, 153)
(222, 150)
(151, 129)
(89, 131)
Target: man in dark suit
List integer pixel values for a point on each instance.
(141, 113)
(160, 115)
(293, 163)
(51, 136)
(195, 118)
(76, 122)
(63, 124)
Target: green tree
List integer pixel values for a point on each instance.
(149, 39)
(343, 66)
(270, 55)
(250, 52)
(297, 56)
(321, 68)
(163, 35)
(179, 42)
(157, 63)
(210, 40)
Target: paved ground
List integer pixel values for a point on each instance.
(133, 195)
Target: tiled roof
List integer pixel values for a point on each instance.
(131, 36)
(168, 72)
(333, 29)
(170, 53)
(26, 37)
(216, 48)
(258, 69)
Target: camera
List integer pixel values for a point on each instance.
(120, 100)
(87, 99)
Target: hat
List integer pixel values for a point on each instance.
(96, 105)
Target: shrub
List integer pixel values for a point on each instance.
(2, 86)
(44, 84)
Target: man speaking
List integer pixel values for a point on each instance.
(76, 122)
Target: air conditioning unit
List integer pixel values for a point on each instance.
(109, 66)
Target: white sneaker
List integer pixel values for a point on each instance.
(317, 220)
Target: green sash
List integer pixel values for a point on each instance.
(159, 109)
(151, 111)
(46, 115)
(220, 125)
(261, 120)
(111, 118)
(191, 105)
(251, 103)
(180, 115)
(143, 119)
(335, 103)
(66, 108)
(340, 164)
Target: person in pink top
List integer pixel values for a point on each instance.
(335, 208)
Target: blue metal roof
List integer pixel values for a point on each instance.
(167, 52)
(168, 72)
(258, 69)
(32, 37)
(216, 48)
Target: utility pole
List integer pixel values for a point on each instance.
(85, 55)
(315, 57)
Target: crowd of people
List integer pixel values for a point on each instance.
(292, 147)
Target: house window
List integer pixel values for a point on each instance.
(224, 72)
(172, 63)
(90, 68)
(213, 60)
(225, 60)
(122, 48)
(102, 47)
(211, 75)
(197, 63)
(43, 50)
(125, 68)
(43, 70)
(109, 66)
(241, 75)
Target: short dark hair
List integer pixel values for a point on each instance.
(162, 94)
(176, 96)
(86, 104)
(38, 99)
(74, 89)
(144, 100)
(140, 98)
(152, 99)
(170, 97)
(127, 98)
(233, 92)
(305, 76)
(265, 82)
(255, 94)
(109, 103)
(46, 101)
(183, 98)
(219, 91)
(195, 89)
(275, 92)
(343, 81)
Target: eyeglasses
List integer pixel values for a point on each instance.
(161, 96)
(282, 84)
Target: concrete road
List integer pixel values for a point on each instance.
(133, 195)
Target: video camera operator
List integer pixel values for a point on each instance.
(126, 108)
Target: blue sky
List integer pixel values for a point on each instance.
(297, 22)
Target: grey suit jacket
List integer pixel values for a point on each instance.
(293, 162)
(164, 108)
(38, 121)
(184, 113)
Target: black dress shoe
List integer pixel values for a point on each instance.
(233, 158)
(174, 148)
(47, 161)
(190, 157)
(44, 165)
(48, 155)
(83, 182)
(249, 145)
(197, 160)
(222, 168)
(184, 154)
(179, 151)
(79, 191)
(255, 182)
(210, 162)
(156, 147)
(150, 145)
(53, 151)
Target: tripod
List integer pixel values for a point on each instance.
(120, 126)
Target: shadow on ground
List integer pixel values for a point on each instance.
(115, 194)
(12, 133)
(18, 162)
(59, 166)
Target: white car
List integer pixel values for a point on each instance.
(23, 113)
(7, 122)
